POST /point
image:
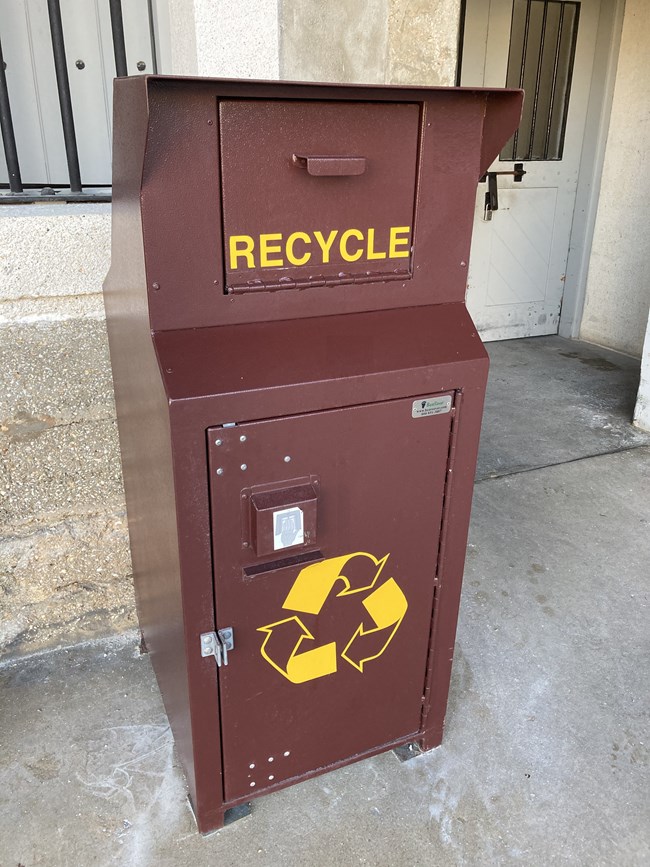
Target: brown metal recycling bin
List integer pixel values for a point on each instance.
(299, 392)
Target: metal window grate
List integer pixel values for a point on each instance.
(542, 50)
(22, 142)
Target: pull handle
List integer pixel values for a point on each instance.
(325, 166)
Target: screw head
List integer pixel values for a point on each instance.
(244, 467)
(217, 442)
(287, 458)
(80, 64)
(141, 65)
(156, 286)
(220, 471)
(242, 438)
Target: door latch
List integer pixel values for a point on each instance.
(492, 195)
(218, 644)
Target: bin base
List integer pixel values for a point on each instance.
(407, 752)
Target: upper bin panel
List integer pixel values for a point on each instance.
(264, 201)
(317, 193)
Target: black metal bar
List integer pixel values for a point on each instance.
(65, 100)
(572, 55)
(8, 137)
(152, 38)
(524, 49)
(119, 47)
(460, 41)
(556, 63)
(31, 196)
(538, 78)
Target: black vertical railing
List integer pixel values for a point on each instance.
(65, 99)
(17, 189)
(538, 79)
(119, 47)
(522, 69)
(8, 137)
(556, 65)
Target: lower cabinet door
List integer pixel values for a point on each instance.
(325, 533)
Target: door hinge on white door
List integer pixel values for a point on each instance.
(218, 644)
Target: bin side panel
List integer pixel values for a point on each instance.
(502, 117)
(458, 504)
(146, 450)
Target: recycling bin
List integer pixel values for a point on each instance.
(299, 390)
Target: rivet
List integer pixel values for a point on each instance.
(245, 544)
(242, 438)
(271, 777)
(210, 122)
(141, 65)
(252, 766)
(156, 285)
(270, 758)
(80, 64)
(252, 785)
(217, 442)
(244, 467)
(286, 753)
(287, 458)
(220, 471)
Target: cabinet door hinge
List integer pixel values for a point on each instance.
(218, 644)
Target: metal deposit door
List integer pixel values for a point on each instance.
(325, 543)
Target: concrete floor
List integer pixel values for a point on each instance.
(545, 757)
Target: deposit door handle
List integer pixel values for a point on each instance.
(492, 195)
(330, 166)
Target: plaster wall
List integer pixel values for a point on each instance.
(618, 288)
(377, 42)
(642, 410)
(222, 39)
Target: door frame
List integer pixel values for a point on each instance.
(603, 79)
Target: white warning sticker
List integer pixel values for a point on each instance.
(425, 406)
(288, 528)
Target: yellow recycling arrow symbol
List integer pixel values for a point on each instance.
(386, 605)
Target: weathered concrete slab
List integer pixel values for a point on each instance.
(545, 757)
(551, 400)
(64, 560)
(55, 371)
(51, 473)
(65, 583)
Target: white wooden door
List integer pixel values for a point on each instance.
(31, 81)
(518, 261)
